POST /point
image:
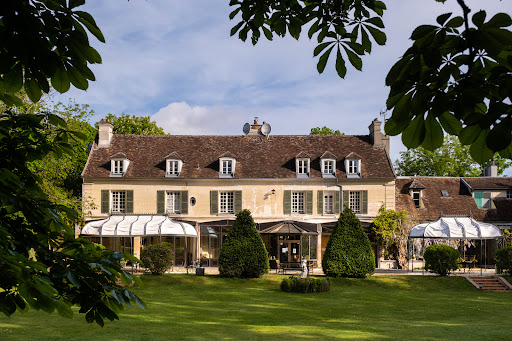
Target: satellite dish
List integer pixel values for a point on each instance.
(247, 128)
(265, 129)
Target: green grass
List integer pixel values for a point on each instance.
(212, 308)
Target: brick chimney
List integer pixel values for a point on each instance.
(255, 128)
(379, 140)
(104, 133)
(491, 170)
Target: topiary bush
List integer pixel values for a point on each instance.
(243, 253)
(348, 252)
(307, 285)
(504, 260)
(441, 259)
(157, 257)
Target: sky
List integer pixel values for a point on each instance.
(175, 61)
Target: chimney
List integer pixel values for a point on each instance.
(255, 128)
(491, 170)
(379, 140)
(104, 133)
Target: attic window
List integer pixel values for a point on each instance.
(444, 193)
(328, 167)
(353, 168)
(302, 167)
(509, 194)
(118, 166)
(226, 167)
(416, 197)
(173, 168)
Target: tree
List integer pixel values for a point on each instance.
(441, 259)
(243, 253)
(451, 159)
(42, 264)
(456, 78)
(59, 48)
(324, 131)
(348, 252)
(392, 230)
(139, 125)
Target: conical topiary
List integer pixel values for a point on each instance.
(243, 253)
(349, 252)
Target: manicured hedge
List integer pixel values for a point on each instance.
(348, 252)
(504, 259)
(441, 259)
(157, 257)
(307, 285)
(243, 253)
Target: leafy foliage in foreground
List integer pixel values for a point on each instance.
(348, 252)
(243, 253)
(441, 259)
(157, 257)
(306, 285)
(504, 259)
(42, 265)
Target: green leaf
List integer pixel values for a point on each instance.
(341, 69)
(313, 29)
(56, 121)
(60, 79)
(414, 134)
(267, 33)
(88, 21)
(236, 28)
(479, 150)
(422, 31)
(77, 79)
(33, 90)
(321, 47)
(234, 13)
(455, 22)
(402, 109)
(507, 152)
(320, 66)
(378, 36)
(365, 41)
(353, 58)
(499, 137)
(442, 18)
(479, 18)
(376, 21)
(433, 134)
(295, 28)
(10, 99)
(450, 123)
(13, 80)
(469, 134)
(499, 20)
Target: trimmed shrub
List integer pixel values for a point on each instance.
(441, 259)
(157, 257)
(243, 253)
(349, 252)
(307, 285)
(504, 260)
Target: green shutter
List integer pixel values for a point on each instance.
(320, 202)
(129, 201)
(345, 199)
(184, 202)
(364, 202)
(479, 199)
(309, 202)
(105, 201)
(287, 202)
(337, 208)
(237, 201)
(214, 202)
(160, 202)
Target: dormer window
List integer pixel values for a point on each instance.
(416, 198)
(118, 166)
(353, 165)
(509, 194)
(227, 167)
(302, 167)
(173, 168)
(328, 167)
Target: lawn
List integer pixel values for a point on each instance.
(212, 308)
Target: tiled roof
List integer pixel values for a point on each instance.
(489, 183)
(256, 156)
(458, 202)
(416, 185)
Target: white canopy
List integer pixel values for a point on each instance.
(138, 225)
(456, 228)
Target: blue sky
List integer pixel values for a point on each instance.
(175, 61)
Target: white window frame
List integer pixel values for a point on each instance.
(328, 202)
(419, 193)
(328, 167)
(302, 166)
(298, 203)
(172, 202)
(509, 193)
(227, 202)
(118, 201)
(353, 166)
(227, 167)
(354, 201)
(173, 168)
(118, 167)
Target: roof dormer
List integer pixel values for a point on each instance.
(302, 165)
(118, 164)
(353, 165)
(328, 165)
(227, 164)
(173, 165)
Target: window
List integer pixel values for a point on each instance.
(509, 194)
(328, 203)
(172, 202)
(445, 193)
(302, 166)
(226, 167)
(298, 202)
(328, 167)
(353, 166)
(118, 167)
(226, 202)
(416, 197)
(483, 199)
(355, 201)
(173, 168)
(119, 202)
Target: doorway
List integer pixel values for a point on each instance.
(289, 251)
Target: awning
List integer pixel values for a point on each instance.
(456, 228)
(288, 227)
(138, 225)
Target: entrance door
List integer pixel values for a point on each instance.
(289, 251)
